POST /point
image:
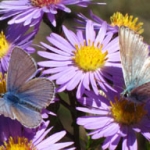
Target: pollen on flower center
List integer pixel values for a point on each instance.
(4, 45)
(118, 19)
(19, 143)
(126, 112)
(41, 3)
(89, 58)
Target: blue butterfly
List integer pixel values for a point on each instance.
(136, 65)
(25, 97)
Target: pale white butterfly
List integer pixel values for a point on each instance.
(136, 65)
(25, 97)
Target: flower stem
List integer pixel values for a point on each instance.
(75, 115)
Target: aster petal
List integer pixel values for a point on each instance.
(27, 37)
(101, 34)
(21, 17)
(57, 146)
(100, 81)
(146, 135)
(40, 134)
(94, 122)
(53, 56)
(80, 37)
(55, 50)
(36, 14)
(61, 88)
(93, 83)
(52, 139)
(80, 90)
(124, 144)
(54, 63)
(51, 17)
(111, 142)
(131, 139)
(72, 38)
(93, 111)
(109, 130)
(75, 80)
(90, 33)
(64, 8)
(89, 102)
(7, 15)
(113, 46)
(87, 119)
(107, 38)
(65, 75)
(4, 63)
(86, 80)
(54, 70)
(61, 43)
(123, 131)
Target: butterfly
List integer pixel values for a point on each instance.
(26, 96)
(136, 65)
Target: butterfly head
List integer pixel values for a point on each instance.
(132, 96)
(127, 92)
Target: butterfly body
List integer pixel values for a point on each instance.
(135, 65)
(25, 97)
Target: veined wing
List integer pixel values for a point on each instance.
(28, 116)
(141, 93)
(6, 109)
(21, 68)
(144, 75)
(37, 92)
(134, 53)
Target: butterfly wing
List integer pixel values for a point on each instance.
(21, 113)
(6, 109)
(141, 93)
(34, 95)
(37, 92)
(134, 54)
(144, 75)
(21, 68)
(27, 116)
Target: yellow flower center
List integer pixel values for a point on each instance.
(4, 45)
(42, 3)
(19, 143)
(2, 83)
(90, 58)
(126, 112)
(118, 19)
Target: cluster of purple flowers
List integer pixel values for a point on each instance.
(86, 63)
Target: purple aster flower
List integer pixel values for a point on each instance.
(117, 20)
(30, 12)
(18, 137)
(85, 60)
(15, 35)
(116, 119)
(97, 22)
